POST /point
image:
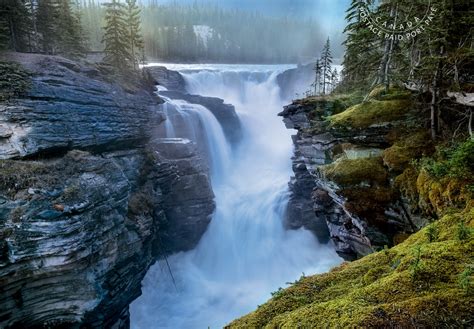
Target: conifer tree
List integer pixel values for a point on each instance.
(46, 18)
(15, 22)
(317, 78)
(326, 62)
(135, 39)
(116, 36)
(70, 35)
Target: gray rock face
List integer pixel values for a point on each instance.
(67, 109)
(224, 113)
(188, 198)
(169, 79)
(79, 229)
(320, 204)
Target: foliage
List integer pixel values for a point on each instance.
(122, 36)
(456, 161)
(49, 26)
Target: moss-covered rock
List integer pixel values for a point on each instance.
(436, 195)
(399, 156)
(415, 284)
(353, 172)
(372, 112)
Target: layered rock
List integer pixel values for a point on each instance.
(341, 184)
(88, 198)
(171, 80)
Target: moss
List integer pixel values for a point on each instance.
(406, 184)
(399, 156)
(438, 194)
(20, 175)
(14, 80)
(394, 92)
(370, 203)
(371, 112)
(379, 290)
(351, 172)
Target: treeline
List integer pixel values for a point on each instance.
(209, 33)
(55, 27)
(47, 26)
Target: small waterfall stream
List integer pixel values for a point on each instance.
(245, 253)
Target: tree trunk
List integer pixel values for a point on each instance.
(386, 80)
(435, 91)
(470, 124)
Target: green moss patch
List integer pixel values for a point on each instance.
(394, 92)
(372, 112)
(14, 80)
(399, 156)
(418, 283)
(353, 172)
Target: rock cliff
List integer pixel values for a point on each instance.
(341, 182)
(89, 198)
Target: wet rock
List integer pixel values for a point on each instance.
(171, 80)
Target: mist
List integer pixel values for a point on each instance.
(230, 31)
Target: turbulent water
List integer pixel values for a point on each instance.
(246, 253)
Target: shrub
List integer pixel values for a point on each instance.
(432, 233)
(463, 232)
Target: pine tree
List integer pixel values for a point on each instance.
(326, 62)
(15, 23)
(68, 23)
(46, 19)
(116, 36)
(334, 79)
(135, 39)
(317, 78)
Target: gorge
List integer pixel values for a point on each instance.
(246, 253)
(101, 180)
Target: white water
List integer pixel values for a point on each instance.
(246, 253)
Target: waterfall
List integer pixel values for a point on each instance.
(245, 253)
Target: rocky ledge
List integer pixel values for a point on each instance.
(344, 180)
(89, 198)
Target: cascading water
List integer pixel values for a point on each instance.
(246, 253)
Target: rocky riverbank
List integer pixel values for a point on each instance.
(89, 196)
